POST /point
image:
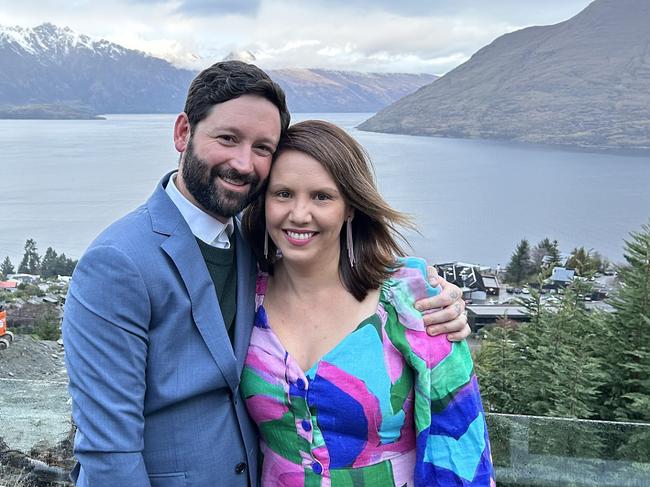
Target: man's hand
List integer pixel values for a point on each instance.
(444, 313)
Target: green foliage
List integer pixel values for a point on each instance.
(64, 266)
(548, 367)
(520, 267)
(49, 263)
(586, 262)
(6, 267)
(47, 326)
(569, 362)
(29, 290)
(545, 256)
(52, 264)
(627, 394)
(31, 263)
(497, 369)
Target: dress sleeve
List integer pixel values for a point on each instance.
(451, 434)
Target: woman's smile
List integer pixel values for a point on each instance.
(298, 237)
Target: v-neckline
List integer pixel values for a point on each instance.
(288, 354)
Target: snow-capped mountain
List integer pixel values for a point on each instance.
(50, 64)
(54, 65)
(54, 42)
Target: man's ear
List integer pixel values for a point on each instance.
(181, 132)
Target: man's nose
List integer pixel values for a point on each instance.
(243, 159)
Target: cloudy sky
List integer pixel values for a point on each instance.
(430, 36)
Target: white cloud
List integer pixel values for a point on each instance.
(429, 37)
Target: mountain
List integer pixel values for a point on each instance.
(582, 82)
(53, 65)
(320, 90)
(50, 65)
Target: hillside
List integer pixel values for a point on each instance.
(583, 82)
(319, 90)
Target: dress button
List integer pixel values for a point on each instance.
(300, 384)
(240, 468)
(306, 425)
(317, 468)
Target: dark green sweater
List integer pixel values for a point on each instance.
(223, 271)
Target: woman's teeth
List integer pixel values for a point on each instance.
(300, 236)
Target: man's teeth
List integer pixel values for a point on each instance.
(300, 236)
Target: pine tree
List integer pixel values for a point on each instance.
(584, 261)
(545, 256)
(6, 267)
(64, 266)
(578, 371)
(549, 366)
(31, 263)
(629, 358)
(497, 364)
(520, 266)
(49, 263)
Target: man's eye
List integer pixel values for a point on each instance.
(226, 139)
(264, 150)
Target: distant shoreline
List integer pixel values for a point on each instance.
(47, 112)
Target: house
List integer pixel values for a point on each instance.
(562, 276)
(479, 315)
(8, 285)
(476, 282)
(24, 278)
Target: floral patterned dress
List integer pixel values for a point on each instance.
(388, 405)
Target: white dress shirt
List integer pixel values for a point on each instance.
(203, 226)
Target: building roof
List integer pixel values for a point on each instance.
(496, 311)
(563, 275)
(489, 281)
(8, 284)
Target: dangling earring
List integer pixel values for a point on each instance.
(266, 244)
(348, 231)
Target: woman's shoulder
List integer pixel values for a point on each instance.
(404, 324)
(407, 284)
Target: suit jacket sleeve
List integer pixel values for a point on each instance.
(105, 330)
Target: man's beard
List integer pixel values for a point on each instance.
(200, 182)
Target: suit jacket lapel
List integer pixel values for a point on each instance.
(246, 276)
(183, 250)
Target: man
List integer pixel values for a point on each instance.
(160, 309)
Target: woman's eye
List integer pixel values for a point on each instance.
(282, 194)
(323, 197)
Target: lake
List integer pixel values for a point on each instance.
(63, 181)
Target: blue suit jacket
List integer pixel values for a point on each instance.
(153, 376)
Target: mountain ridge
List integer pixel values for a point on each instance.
(54, 65)
(582, 82)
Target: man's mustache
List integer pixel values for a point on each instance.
(233, 175)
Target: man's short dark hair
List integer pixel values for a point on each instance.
(226, 80)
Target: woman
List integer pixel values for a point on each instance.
(353, 395)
